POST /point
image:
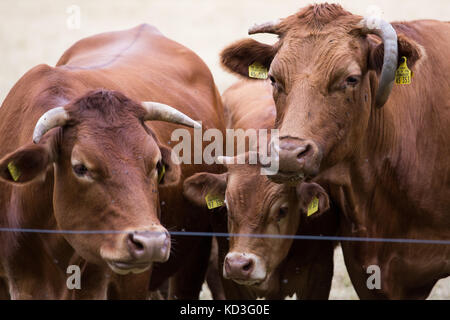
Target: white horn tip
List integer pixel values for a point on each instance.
(197, 125)
(36, 139)
(371, 23)
(224, 160)
(220, 160)
(373, 18)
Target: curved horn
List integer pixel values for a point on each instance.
(238, 159)
(267, 27)
(225, 160)
(386, 32)
(163, 112)
(56, 117)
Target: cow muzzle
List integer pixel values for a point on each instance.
(144, 248)
(244, 268)
(298, 159)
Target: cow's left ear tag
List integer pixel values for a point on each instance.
(161, 174)
(403, 74)
(214, 201)
(14, 171)
(257, 71)
(313, 206)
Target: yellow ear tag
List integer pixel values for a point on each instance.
(403, 74)
(161, 174)
(214, 201)
(257, 71)
(313, 207)
(14, 171)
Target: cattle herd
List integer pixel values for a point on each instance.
(361, 108)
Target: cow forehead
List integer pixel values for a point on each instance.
(252, 192)
(318, 57)
(111, 146)
(317, 46)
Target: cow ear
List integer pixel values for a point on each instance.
(313, 198)
(198, 186)
(406, 48)
(169, 172)
(238, 56)
(26, 163)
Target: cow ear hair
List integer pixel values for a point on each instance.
(406, 48)
(28, 162)
(198, 186)
(307, 192)
(238, 56)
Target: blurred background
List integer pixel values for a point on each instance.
(39, 31)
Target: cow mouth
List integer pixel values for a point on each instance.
(122, 267)
(252, 283)
(287, 177)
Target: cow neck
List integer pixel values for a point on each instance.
(388, 167)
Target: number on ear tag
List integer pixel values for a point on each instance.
(257, 71)
(403, 74)
(214, 201)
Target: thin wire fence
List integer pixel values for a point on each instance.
(229, 235)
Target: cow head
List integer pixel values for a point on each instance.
(108, 166)
(255, 205)
(331, 72)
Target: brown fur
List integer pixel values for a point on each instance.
(386, 169)
(253, 200)
(100, 81)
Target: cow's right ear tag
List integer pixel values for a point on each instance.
(257, 71)
(313, 206)
(403, 74)
(214, 201)
(14, 171)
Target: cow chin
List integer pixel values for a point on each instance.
(125, 268)
(287, 178)
(293, 178)
(260, 285)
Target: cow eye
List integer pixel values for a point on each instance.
(282, 212)
(80, 170)
(161, 170)
(352, 80)
(272, 80)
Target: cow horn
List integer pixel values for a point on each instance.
(267, 27)
(386, 32)
(238, 158)
(225, 160)
(55, 117)
(163, 112)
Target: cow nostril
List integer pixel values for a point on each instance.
(248, 266)
(303, 151)
(227, 265)
(134, 244)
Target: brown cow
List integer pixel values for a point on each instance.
(388, 166)
(99, 163)
(272, 267)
